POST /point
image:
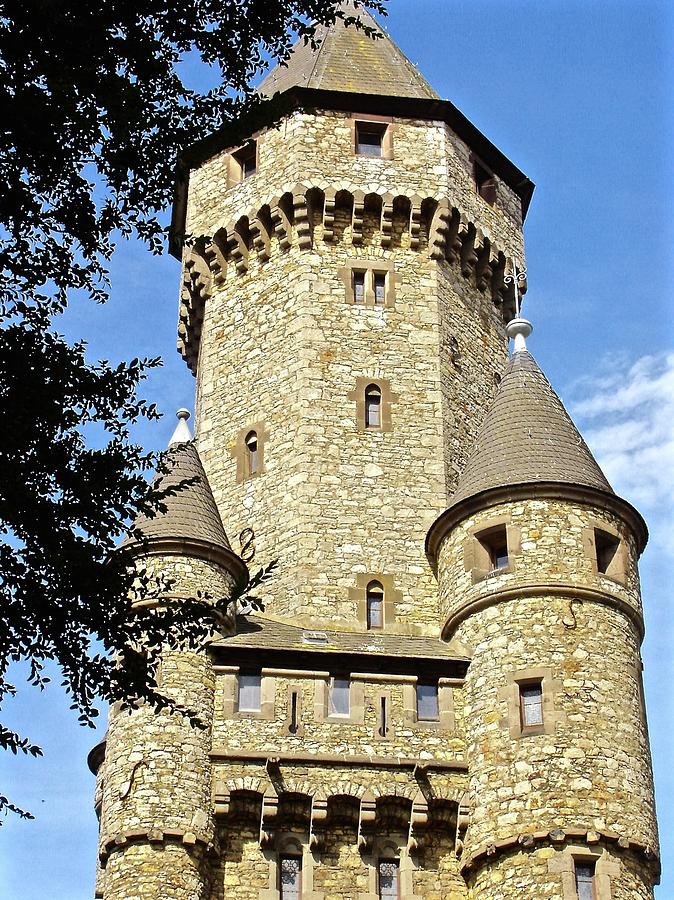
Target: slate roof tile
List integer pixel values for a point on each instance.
(348, 60)
(527, 436)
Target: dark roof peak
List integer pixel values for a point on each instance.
(527, 437)
(348, 60)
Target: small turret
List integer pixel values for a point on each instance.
(154, 842)
(536, 559)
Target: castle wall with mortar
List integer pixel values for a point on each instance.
(282, 347)
(587, 778)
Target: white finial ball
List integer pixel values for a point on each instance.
(183, 414)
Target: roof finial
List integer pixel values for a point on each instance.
(182, 432)
(518, 328)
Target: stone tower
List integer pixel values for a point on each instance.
(442, 698)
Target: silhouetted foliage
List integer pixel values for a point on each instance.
(94, 113)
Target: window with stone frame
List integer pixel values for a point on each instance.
(388, 879)
(491, 550)
(495, 543)
(339, 696)
(370, 138)
(252, 463)
(373, 406)
(427, 701)
(584, 873)
(244, 162)
(374, 600)
(485, 182)
(379, 288)
(607, 547)
(358, 285)
(290, 876)
(531, 705)
(249, 692)
(369, 282)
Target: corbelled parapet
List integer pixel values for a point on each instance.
(537, 569)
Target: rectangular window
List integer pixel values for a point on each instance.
(249, 692)
(427, 703)
(359, 287)
(290, 877)
(246, 158)
(485, 183)
(379, 288)
(606, 546)
(495, 542)
(585, 880)
(387, 879)
(370, 138)
(531, 704)
(339, 690)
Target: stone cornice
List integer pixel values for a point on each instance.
(122, 839)
(337, 759)
(191, 547)
(537, 589)
(543, 490)
(558, 837)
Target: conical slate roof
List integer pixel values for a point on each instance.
(527, 437)
(191, 513)
(348, 60)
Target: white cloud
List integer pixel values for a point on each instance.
(626, 413)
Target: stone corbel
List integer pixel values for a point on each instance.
(215, 254)
(366, 822)
(260, 238)
(221, 798)
(357, 217)
(302, 220)
(386, 220)
(485, 259)
(418, 823)
(497, 279)
(454, 232)
(462, 822)
(238, 251)
(468, 255)
(415, 222)
(319, 817)
(438, 231)
(282, 227)
(329, 214)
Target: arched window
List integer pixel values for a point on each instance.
(374, 599)
(373, 406)
(251, 452)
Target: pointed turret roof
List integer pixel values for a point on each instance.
(347, 59)
(191, 513)
(527, 437)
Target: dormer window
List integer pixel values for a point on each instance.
(485, 182)
(370, 138)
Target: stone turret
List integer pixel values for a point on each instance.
(536, 559)
(153, 841)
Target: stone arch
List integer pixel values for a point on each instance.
(402, 211)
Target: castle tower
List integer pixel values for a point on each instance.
(154, 795)
(346, 289)
(537, 569)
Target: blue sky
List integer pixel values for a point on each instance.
(575, 93)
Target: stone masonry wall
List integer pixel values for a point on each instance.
(281, 350)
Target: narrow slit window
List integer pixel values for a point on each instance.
(249, 692)
(388, 871)
(383, 717)
(359, 287)
(485, 183)
(379, 288)
(531, 705)
(373, 406)
(370, 138)
(374, 596)
(252, 457)
(294, 713)
(428, 709)
(290, 877)
(606, 546)
(585, 880)
(339, 691)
